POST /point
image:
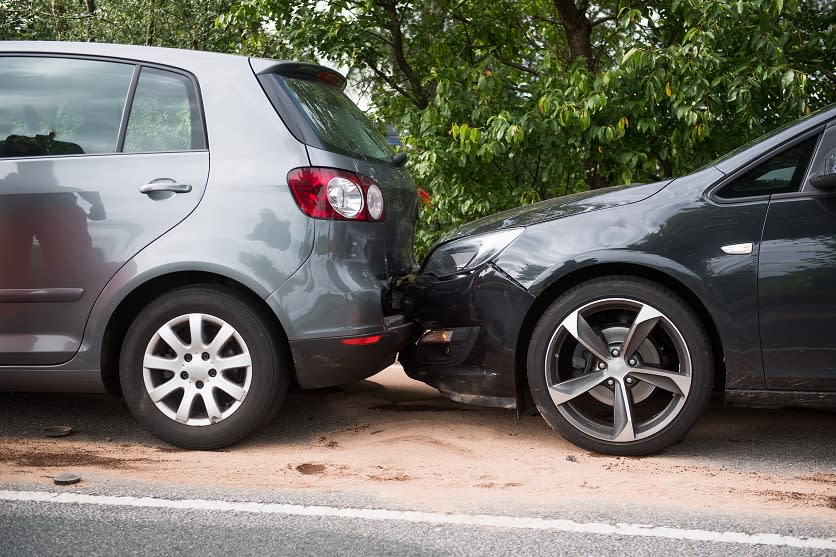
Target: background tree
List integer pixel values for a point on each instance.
(505, 102)
(182, 23)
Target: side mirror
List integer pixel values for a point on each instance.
(824, 181)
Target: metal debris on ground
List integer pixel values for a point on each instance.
(66, 478)
(57, 430)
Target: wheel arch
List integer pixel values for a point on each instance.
(553, 291)
(130, 306)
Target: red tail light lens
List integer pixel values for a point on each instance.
(328, 193)
(362, 341)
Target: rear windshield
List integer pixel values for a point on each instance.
(339, 124)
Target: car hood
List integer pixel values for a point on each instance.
(558, 207)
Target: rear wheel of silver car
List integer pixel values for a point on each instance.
(200, 368)
(620, 365)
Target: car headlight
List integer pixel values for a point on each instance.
(465, 254)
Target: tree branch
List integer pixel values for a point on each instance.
(390, 81)
(516, 65)
(419, 94)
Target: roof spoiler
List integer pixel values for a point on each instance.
(300, 70)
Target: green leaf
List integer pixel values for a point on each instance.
(630, 53)
(787, 78)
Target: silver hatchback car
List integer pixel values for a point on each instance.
(194, 230)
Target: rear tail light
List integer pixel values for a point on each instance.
(328, 193)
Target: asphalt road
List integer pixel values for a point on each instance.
(385, 467)
(104, 525)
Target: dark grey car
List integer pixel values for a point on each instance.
(196, 230)
(619, 310)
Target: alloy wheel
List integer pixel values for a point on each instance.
(618, 370)
(197, 369)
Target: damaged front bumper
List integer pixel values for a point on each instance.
(471, 325)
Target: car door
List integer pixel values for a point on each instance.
(97, 159)
(797, 281)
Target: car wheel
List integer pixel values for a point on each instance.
(200, 369)
(620, 365)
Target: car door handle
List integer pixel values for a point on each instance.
(164, 186)
(738, 249)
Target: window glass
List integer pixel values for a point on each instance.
(338, 122)
(60, 106)
(164, 114)
(782, 173)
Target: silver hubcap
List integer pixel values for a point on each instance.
(615, 385)
(197, 369)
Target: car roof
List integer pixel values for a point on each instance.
(175, 57)
(155, 54)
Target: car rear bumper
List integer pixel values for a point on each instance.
(484, 311)
(326, 362)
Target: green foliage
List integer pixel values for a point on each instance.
(506, 102)
(181, 24)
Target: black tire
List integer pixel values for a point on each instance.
(241, 398)
(669, 347)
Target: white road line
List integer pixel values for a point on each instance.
(493, 521)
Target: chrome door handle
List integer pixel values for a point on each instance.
(738, 249)
(154, 186)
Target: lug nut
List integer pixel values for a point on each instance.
(188, 357)
(212, 372)
(629, 380)
(610, 382)
(615, 352)
(184, 375)
(632, 361)
(205, 356)
(199, 384)
(602, 365)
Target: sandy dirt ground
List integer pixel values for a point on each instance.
(398, 440)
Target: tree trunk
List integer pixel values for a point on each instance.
(58, 12)
(91, 13)
(578, 30)
(149, 29)
(579, 37)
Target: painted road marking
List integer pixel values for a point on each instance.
(491, 521)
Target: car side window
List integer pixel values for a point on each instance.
(781, 173)
(164, 114)
(60, 106)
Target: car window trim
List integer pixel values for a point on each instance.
(711, 191)
(808, 194)
(138, 65)
(126, 109)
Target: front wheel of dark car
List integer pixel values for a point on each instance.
(200, 369)
(620, 365)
